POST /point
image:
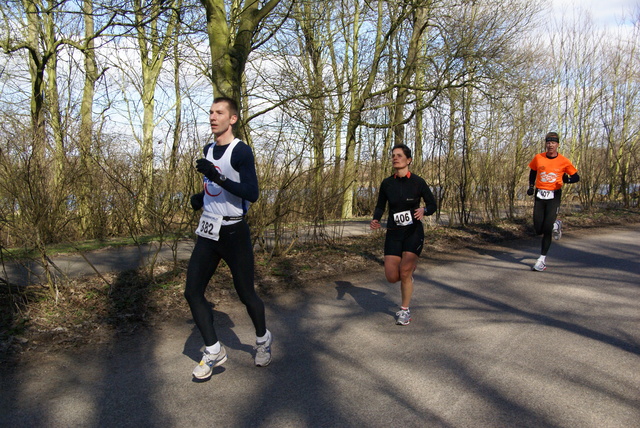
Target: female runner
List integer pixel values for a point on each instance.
(405, 233)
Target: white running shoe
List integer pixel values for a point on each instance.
(404, 317)
(263, 352)
(557, 230)
(208, 362)
(539, 266)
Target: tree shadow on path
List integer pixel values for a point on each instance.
(542, 319)
(368, 299)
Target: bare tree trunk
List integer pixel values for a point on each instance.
(177, 126)
(37, 65)
(229, 51)
(53, 101)
(420, 19)
(360, 93)
(313, 66)
(85, 139)
(467, 154)
(154, 41)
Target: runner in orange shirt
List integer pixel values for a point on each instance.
(549, 170)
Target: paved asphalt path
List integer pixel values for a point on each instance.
(492, 344)
(133, 257)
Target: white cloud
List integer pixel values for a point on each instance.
(604, 13)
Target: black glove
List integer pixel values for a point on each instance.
(197, 201)
(530, 191)
(566, 178)
(209, 170)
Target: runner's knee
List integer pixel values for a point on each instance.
(193, 296)
(392, 276)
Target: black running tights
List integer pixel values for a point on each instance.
(545, 213)
(234, 247)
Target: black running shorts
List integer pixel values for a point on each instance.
(410, 238)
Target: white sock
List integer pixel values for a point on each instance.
(213, 349)
(542, 258)
(264, 338)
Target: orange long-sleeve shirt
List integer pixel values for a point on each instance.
(549, 171)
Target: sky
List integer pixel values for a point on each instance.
(605, 13)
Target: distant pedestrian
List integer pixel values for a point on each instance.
(404, 239)
(230, 185)
(549, 170)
